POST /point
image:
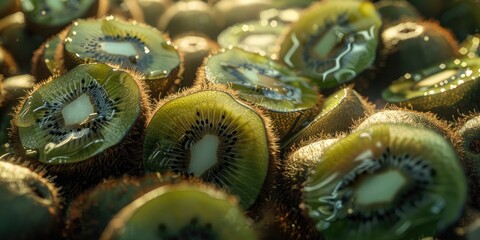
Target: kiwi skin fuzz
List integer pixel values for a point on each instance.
(265, 192)
(125, 157)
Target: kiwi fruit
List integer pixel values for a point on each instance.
(181, 211)
(284, 16)
(44, 64)
(238, 11)
(339, 112)
(8, 7)
(461, 17)
(11, 90)
(396, 10)
(206, 132)
(387, 181)
(191, 16)
(194, 47)
(49, 17)
(131, 45)
(253, 36)
(332, 42)
(20, 41)
(30, 205)
(469, 129)
(470, 47)
(90, 212)
(288, 98)
(153, 9)
(410, 46)
(447, 89)
(84, 124)
(8, 66)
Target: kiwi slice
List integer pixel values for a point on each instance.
(289, 99)
(470, 47)
(44, 64)
(339, 112)
(447, 89)
(332, 42)
(208, 133)
(194, 47)
(388, 181)
(253, 36)
(130, 45)
(410, 46)
(29, 204)
(238, 11)
(153, 9)
(191, 16)
(469, 130)
(90, 212)
(48, 17)
(181, 211)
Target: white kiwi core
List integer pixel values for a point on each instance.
(204, 154)
(436, 79)
(78, 111)
(119, 48)
(380, 188)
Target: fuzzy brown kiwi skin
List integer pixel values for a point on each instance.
(90, 213)
(56, 208)
(265, 193)
(123, 158)
(8, 67)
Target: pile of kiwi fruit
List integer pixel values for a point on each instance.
(233, 119)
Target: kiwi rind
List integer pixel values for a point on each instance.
(248, 202)
(174, 207)
(394, 11)
(30, 203)
(339, 112)
(120, 158)
(157, 61)
(337, 23)
(288, 111)
(394, 142)
(8, 66)
(447, 98)
(90, 212)
(468, 127)
(43, 61)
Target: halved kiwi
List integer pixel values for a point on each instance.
(206, 132)
(194, 47)
(44, 64)
(396, 10)
(447, 89)
(84, 124)
(90, 212)
(289, 99)
(470, 47)
(191, 16)
(469, 129)
(253, 36)
(131, 45)
(332, 42)
(29, 203)
(339, 112)
(237, 11)
(388, 181)
(49, 17)
(181, 211)
(410, 46)
(8, 7)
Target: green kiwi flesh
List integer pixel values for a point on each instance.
(289, 99)
(181, 211)
(212, 135)
(422, 185)
(470, 47)
(78, 115)
(332, 42)
(447, 89)
(29, 205)
(338, 114)
(90, 212)
(130, 45)
(253, 36)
